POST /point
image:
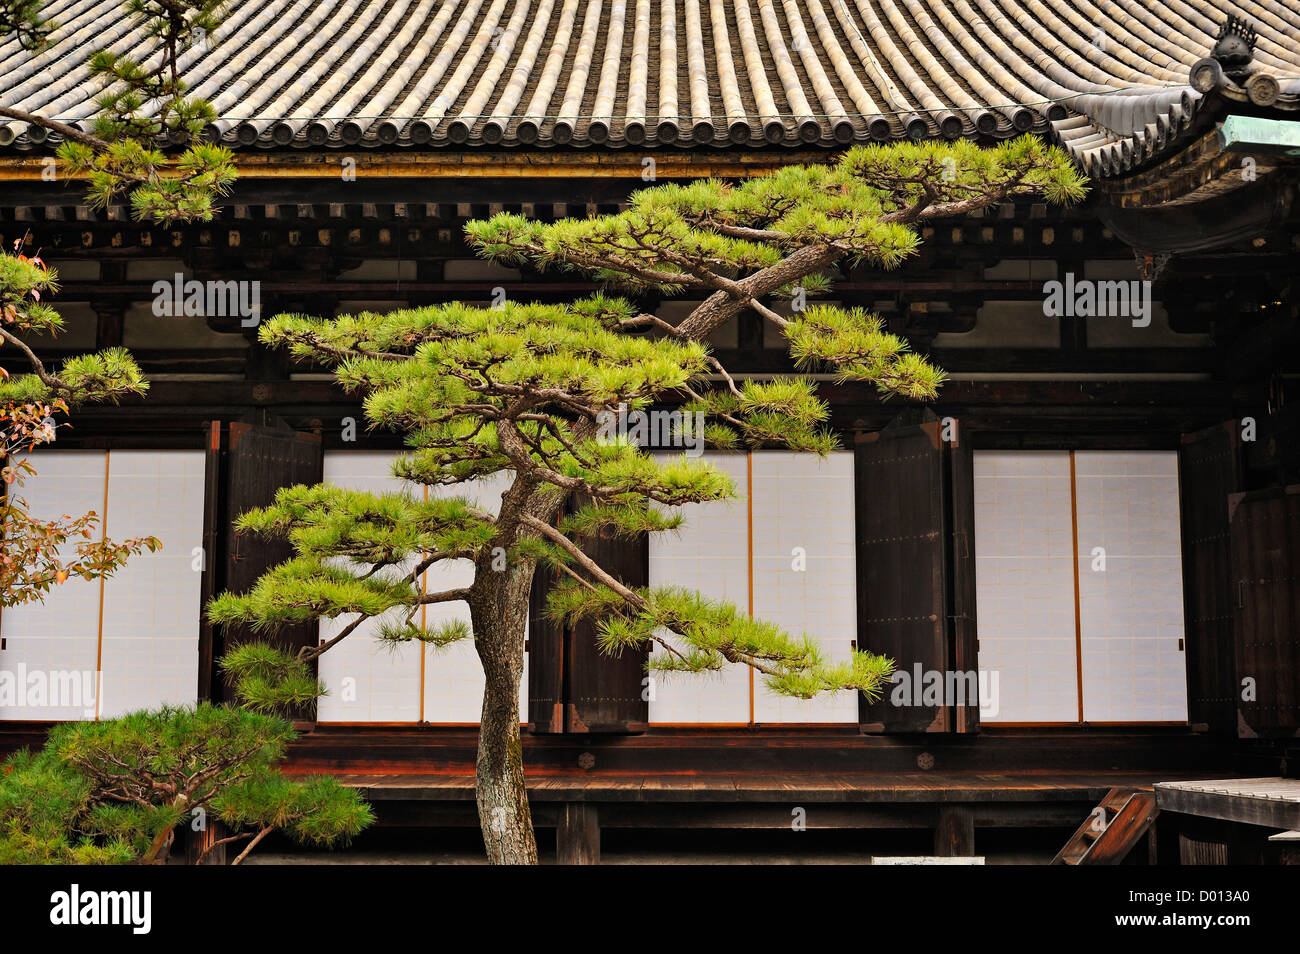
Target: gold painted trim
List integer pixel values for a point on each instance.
(439, 165)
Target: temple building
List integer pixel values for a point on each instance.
(1082, 557)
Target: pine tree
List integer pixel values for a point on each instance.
(116, 791)
(522, 389)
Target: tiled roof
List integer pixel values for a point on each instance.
(1110, 78)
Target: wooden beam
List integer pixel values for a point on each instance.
(1267, 802)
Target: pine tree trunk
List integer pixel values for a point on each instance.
(499, 611)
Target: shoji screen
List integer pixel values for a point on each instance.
(1024, 571)
(710, 553)
(370, 682)
(152, 606)
(139, 628)
(1130, 612)
(803, 517)
(365, 680)
(798, 501)
(1121, 645)
(62, 633)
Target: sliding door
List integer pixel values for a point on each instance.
(1079, 579)
(783, 550)
(371, 682)
(98, 649)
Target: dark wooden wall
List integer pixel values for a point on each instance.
(1072, 395)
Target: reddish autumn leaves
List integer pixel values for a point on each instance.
(41, 553)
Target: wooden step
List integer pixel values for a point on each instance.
(1128, 816)
(1116, 798)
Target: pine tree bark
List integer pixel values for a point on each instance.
(499, 613)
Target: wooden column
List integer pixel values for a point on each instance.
(1210, 469)
(577, 835)
(954, 832)
(915, 514)
(197, 841)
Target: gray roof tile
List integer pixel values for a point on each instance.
(1108, 78)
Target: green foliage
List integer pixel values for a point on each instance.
(628, 518)
(694, 634)
(318, 812)
(40, 800)
(267, 679)
(40, 554)
(775, 236)
(164, 190)
(439, 635)
(479, 391)
(143, 102)
(113, 791)
(305, 589)
(102, 378)
(784, 412)
(24, 282)
(368, 528)
(858, 348)
(960, 170)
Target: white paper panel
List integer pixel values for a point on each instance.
(366, 680)
(1131, 613)
(1024, 567)
(710, 553)
(152, 606)
(804, 501)
(453, 677)
(385, 683)
(61, 635)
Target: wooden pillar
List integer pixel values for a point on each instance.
(196, 841)
(954, 832)
(577, 834)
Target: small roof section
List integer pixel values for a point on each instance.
(1109, 78)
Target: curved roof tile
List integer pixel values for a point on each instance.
(1108, 78)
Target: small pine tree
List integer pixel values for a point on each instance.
(521, 389)
(116, 791)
